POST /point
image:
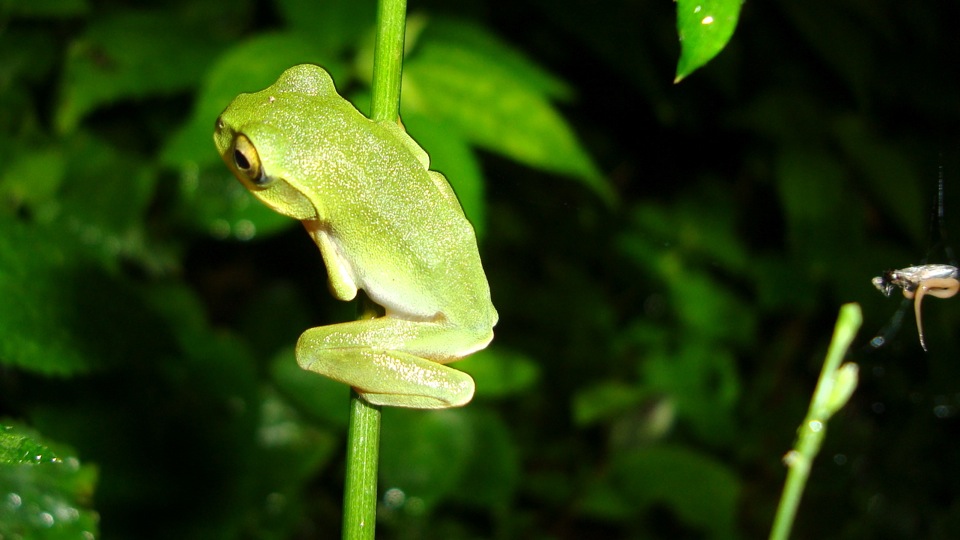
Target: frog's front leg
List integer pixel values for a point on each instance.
(394, 362)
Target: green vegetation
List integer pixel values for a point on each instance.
(667, 261)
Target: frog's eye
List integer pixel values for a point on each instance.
(247, 161)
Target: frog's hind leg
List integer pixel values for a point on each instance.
(390, 361)
(938, 287)
(394, 379)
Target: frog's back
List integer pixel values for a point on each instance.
(377, 200)
(388, 194)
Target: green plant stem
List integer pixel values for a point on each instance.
(834, 388)
(360, 490)
(388, 60)
(363, 434)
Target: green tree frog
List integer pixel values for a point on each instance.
(384, 223)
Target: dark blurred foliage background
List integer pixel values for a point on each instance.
(667, 260)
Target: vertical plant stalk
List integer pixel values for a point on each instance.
(363, 434)
(388, 60)
(360, 489)
(834, 388)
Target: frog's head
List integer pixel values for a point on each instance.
(256, 153)
(266, 137)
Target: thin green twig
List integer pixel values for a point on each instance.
(363, 435)
(834, 388)
(388, 59)
(360, 490)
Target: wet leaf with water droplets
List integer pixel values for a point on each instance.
(44, 491)
(704, 28)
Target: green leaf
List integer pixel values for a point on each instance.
(603, 400)
(60, 312)
(424, 455)
(86, 206)
(292, 455)
(211, 200)
(497, 104)
(605, 502)
(131, 55)
(682, 246)
(698, 489)
(817, 207)
(32, 179)
(704, 306)
(704, 28)
(703, 225)
(18, 446)
(493, 471)
(701, 381)
(319, 397)
(500, 372)
(44, 493)
(470, 36)
(33, 332)
(334, 24)
(105, 201)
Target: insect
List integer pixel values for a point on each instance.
(938, 280)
